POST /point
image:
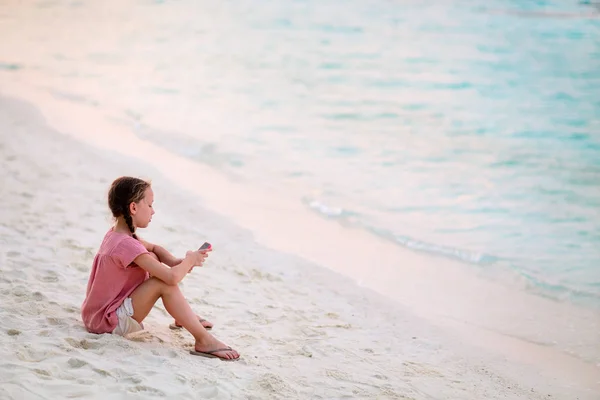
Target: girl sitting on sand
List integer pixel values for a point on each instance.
(121, 293)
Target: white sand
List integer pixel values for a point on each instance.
(303, 331)
(413, 327)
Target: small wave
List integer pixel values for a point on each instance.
(463, 255)
(435, 249)
(560, 290)
(540, 285)
(405, 241)
(330, 212)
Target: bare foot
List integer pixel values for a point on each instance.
(206, 324)
(216, 348)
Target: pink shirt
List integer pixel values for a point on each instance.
(112, 279)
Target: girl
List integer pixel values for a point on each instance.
(120, 292)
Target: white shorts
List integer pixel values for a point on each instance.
(126, 324)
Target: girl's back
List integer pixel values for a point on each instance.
(112, 279)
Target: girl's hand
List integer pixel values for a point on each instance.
(197, 257)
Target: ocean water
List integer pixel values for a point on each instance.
(469, 130)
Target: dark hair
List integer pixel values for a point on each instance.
(124, 191)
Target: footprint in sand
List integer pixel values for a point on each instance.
(76, 363)
(338, 375)
(133, 379)
(38, 296)
(42, 373)
(389, 393)
(50, 277)
(30, 355)
(303, 351)
(71, 309)
(101, 372)
(19, 291)
(80, 267)
(55, 321)
(147, 390)
(83, 381)
(83, 344)
(262, 275)
(367, 350)
(172, 354)
(414, 369)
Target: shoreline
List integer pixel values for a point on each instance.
(420, 283)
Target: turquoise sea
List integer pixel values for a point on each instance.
(470, 130)
(465, 129)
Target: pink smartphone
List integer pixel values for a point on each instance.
(206, 246)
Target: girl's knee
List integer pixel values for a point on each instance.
(157, 282)
(164, 287)
(153, 254)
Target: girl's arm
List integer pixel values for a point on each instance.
(164, 256)
(171, 276)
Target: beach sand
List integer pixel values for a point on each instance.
(304, 331)
(316, 309)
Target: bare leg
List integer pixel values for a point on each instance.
(145, 296)
(205, 323)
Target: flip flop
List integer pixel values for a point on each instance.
(210, 354)
(175, 327)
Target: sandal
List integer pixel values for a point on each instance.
(210, 354)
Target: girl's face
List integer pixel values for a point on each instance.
(142, 212)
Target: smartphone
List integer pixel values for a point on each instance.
(206, 246)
